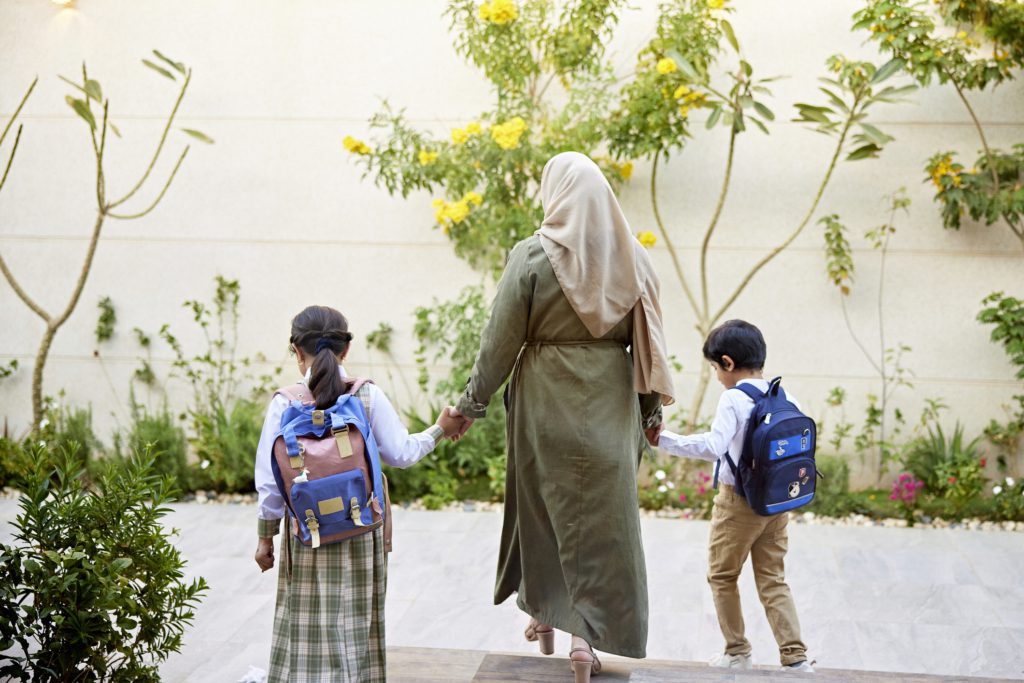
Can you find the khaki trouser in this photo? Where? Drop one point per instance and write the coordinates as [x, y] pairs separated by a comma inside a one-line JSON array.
[[737, 531]]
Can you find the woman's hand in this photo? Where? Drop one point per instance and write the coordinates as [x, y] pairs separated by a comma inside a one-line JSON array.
[[265, 553]]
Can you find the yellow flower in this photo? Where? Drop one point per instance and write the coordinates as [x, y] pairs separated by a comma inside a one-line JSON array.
[[716, 4], [647, 238], [499, 11], [507, 134], [666, 65], [473, 128], [449, 213], [459, 136], [473, 198], [426, 158], [626, 170], [355, 146], [681, 92], [962, 35], [684, 111]]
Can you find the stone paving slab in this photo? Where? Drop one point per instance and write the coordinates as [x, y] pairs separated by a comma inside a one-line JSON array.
[[917, 601]]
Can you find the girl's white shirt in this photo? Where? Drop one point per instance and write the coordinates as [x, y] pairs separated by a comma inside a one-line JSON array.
[[397, 446]]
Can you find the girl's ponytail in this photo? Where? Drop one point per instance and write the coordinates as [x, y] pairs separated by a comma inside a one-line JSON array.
[[322, 334]]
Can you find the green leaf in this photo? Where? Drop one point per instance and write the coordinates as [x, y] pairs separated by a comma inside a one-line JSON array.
[[813, 114], [93, 90], [716, 113], [836, 99], [198, 135], [687, 68], [73, 84], [177, 66], [730, 35], [874, 135], [158, 69], [746, 101], [114, 128], [759, 124], [764, 111], [121, 563], [888, 69], [126, 623], [866, 152], [81, 108], [747, 69]]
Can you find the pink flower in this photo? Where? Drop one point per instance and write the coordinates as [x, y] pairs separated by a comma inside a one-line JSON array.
[[894, 496], [983, 461], [682, 497], [952, 480], [701, 490]]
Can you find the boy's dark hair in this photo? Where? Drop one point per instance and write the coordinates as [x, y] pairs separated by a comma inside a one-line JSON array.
[[739, 340], [322, 333]]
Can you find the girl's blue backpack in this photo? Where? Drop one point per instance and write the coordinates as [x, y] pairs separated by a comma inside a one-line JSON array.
[[776, 470]]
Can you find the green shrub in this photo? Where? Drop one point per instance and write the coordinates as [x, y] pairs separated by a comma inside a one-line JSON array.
[[933, 458], [92, 588], [1008, 500], [69, 430], [225, 446], [159, 433]]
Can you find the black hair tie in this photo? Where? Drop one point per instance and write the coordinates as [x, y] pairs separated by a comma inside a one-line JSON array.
[[321, 344]]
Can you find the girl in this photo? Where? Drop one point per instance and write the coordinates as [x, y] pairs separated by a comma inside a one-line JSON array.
[[329, 619]]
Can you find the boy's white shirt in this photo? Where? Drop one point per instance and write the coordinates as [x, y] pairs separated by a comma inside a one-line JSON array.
[[397, 446], [728, 430]]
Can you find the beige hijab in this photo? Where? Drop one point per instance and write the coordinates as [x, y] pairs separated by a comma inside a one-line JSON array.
[[604, 271]]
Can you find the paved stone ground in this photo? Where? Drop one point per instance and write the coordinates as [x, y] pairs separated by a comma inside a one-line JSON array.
[[929, 601]]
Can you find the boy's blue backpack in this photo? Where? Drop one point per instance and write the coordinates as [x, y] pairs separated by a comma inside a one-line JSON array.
[[776, 470]]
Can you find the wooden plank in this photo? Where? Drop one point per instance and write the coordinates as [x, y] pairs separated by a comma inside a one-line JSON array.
[[432, 665]]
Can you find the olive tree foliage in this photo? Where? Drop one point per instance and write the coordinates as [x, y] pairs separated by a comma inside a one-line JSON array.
[[89, 104]]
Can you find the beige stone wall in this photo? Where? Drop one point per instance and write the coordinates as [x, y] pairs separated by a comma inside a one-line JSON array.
[[277, 203]]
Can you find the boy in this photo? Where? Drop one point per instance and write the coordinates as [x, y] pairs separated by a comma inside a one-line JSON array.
[[737, 352]]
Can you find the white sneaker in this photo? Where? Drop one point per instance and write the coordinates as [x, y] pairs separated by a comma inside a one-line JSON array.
[[725, 661], [801, 667]]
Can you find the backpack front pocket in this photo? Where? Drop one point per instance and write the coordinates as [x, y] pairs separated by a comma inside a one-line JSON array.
[[331, 505]]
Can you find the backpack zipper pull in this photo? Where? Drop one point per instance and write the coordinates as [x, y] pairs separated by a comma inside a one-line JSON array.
[[768, 418]]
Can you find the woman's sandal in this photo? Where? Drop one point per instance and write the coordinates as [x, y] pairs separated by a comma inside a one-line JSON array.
[[583, 668], [544, 634]]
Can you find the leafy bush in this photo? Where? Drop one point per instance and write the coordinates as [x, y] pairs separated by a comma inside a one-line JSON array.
[[227, 410], [451, 331], [158, 433], [832, 496], [935, 460], [69, 430], [92, 589], [1008, 500]]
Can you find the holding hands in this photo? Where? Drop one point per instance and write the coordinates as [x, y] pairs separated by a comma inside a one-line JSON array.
[[453, 423]]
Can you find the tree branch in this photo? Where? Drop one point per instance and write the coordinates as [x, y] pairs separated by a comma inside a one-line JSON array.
[[159, 147], [814, 206], [174, 172], [86, 267], [668, 241], [10, 160], [36, 308], [17, 111], [714, 221]]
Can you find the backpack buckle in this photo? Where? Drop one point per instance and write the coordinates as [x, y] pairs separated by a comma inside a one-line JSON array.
[[354, 512], [343, 438], [314, 528], [318, 418]]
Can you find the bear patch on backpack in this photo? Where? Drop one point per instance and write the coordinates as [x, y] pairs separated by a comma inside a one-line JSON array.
[[776, 470]]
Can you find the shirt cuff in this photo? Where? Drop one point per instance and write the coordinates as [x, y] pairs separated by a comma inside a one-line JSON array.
[[268, 528], [435, 433]]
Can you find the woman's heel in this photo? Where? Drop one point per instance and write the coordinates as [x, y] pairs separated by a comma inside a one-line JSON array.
[[546, 640], [582, 671]]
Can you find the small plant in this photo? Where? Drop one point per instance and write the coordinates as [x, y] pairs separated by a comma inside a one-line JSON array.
[[106, 321], [227, 409], [92, 589], [160, 434], [949, 467], [1008, 500], [905, 491], [69, 430], [8, 368]]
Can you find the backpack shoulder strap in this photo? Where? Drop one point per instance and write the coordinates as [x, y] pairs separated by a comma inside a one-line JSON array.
[[295, 392], [750, 390], [361, 389]]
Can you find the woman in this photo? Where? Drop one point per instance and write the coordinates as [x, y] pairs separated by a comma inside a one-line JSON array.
[[329, 617], [572, 299]]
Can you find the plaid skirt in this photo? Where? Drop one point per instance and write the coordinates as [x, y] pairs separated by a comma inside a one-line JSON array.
[[329, 620]]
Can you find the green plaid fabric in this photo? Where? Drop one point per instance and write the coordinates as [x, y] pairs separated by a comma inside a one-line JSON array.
[[268, 528], [329, 621]]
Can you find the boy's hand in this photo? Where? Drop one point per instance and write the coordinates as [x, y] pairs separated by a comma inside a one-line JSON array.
[[654, 433], [265, 553]]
